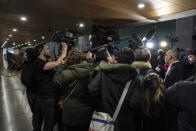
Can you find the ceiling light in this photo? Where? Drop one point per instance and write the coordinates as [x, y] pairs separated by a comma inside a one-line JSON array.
[[7, 39], [29, 44], [23, 18], [14, 43], [43, 37], [10, 35], [81, 25], [141, 6], [34, 40], [14, 29]]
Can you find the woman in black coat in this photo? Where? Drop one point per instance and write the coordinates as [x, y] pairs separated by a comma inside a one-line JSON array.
[[147, 99], [107, 86]]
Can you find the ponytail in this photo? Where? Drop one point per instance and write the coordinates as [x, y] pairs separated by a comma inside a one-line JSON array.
[[153, 85]]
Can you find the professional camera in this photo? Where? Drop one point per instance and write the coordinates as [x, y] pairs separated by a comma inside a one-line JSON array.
[[136, 43], [68, 36], [101, 35], [133, 45]]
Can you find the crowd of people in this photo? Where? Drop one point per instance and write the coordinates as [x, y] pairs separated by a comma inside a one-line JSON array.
[[14, 61], [65, 92]]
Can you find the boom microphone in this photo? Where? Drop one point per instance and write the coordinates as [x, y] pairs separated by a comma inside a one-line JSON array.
[[150, 34]]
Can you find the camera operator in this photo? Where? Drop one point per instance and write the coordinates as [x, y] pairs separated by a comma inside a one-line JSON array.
[[46, 100]]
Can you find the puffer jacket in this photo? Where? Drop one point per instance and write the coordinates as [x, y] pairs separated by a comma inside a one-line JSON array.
[[77, 109], [106, 89]]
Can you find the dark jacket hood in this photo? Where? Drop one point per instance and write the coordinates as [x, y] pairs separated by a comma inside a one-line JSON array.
[[82, 70], [119, 73], [64, 75]]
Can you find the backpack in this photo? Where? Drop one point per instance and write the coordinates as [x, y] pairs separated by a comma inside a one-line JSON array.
[[142, 76], [27, 76]]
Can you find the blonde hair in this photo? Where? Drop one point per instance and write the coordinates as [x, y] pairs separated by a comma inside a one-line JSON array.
[[153, 85]]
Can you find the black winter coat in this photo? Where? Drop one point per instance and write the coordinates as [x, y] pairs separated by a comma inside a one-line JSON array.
[[106, 89], [182, 96], [28, 77], [137, 102]]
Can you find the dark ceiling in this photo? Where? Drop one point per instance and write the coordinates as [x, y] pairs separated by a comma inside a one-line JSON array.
[[43, 15]]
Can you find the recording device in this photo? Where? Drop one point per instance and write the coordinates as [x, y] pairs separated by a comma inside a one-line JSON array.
[[67, 35], [102, 35], [137, 41], [151, 34]]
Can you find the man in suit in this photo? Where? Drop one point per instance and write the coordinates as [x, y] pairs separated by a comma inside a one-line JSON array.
[[175, 71]]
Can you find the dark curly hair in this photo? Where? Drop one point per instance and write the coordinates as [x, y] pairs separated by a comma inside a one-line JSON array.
[[30, 54], [125, 56], [102, 54], [38, 49]]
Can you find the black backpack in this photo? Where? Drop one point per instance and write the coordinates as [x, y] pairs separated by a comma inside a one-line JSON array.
[[27, 76], [142, 75]]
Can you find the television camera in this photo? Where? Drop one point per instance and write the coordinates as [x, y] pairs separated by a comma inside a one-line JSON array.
[[67, 35]]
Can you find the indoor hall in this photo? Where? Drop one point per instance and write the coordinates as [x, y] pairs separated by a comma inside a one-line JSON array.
[[61, 30]]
